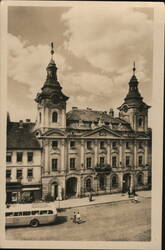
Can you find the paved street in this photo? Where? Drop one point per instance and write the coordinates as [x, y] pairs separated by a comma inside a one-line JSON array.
[[103, 222]]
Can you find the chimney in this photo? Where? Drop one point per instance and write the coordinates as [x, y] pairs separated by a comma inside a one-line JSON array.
[[111, 112], [21, 124], [27, 120], [74, 108]]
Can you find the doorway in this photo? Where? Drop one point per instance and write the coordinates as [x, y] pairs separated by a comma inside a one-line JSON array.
[[54, 190], [71, 187], [126, 182]]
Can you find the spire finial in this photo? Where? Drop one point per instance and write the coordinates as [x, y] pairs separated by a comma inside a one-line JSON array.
[[52, 50], [134, 68]]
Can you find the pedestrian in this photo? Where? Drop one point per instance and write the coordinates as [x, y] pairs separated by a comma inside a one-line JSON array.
[[90, 196], [78, 217], [74, 217], [129, 193]]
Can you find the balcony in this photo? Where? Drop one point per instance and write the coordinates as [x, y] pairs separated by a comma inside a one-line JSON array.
[[104, 168]]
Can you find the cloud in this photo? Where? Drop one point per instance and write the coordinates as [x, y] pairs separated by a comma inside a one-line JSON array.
[[27, 63], [109, 38]]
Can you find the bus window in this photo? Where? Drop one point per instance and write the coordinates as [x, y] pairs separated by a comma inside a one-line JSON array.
[[50, 212], [43, 212], [35, 212], [26, 213], [17, 213], [8, 214]]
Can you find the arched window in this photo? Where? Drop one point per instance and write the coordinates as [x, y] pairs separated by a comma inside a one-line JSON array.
[[114, 181], [40, 117], [140, 122], [140, 179], [88, 185], [54, 117], [102, 182]]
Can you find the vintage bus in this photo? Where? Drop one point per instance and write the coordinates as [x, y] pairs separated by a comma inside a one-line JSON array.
[[30, 214]]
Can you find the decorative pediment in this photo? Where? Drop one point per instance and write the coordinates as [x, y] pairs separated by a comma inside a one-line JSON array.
[[54, 133], [102, 132]]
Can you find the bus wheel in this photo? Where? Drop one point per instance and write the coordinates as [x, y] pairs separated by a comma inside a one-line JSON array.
[[34, 223]]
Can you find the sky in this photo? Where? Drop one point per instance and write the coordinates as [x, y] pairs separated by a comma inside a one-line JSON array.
[[95, 47]]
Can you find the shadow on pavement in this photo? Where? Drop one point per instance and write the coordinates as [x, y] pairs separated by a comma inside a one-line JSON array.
[[60, 220]]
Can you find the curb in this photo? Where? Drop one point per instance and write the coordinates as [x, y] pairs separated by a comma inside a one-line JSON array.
[[101, 203], [95, 204]]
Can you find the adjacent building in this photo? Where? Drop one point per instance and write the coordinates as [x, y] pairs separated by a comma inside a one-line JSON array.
[[69, 154]]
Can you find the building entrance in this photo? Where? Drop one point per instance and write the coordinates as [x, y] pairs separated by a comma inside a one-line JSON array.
[[71, 187], [126, 182], [54, 191]]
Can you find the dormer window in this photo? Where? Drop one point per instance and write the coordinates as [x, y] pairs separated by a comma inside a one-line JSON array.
[[54, 117]]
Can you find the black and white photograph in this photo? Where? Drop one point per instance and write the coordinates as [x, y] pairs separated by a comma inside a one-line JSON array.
[[83, 157]]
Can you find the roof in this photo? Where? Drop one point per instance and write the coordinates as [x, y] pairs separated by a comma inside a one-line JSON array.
[[21, 138], [89, 115]]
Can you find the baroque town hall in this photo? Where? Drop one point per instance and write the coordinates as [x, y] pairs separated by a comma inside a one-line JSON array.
[[66, 155]]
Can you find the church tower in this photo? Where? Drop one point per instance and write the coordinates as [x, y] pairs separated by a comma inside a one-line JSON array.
[[51, 109], [134, 110]]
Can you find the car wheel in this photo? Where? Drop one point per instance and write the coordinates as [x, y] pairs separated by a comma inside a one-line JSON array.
[[34, 223]]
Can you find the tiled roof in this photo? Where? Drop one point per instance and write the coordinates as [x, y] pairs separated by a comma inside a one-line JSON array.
[[89, 115], [21, 138]]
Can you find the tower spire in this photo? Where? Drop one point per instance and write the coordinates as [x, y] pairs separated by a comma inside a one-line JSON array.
[[134, 68]]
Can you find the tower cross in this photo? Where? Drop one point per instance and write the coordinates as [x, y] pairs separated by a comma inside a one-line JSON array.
[[52, 49]]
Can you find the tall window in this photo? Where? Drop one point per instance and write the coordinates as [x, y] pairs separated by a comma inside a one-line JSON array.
[[19, 173], [140, 122], [8, 173], [54, 144], [89, 144], [88, 185], [19, 156], [102, 145], [114, 181], [140, 145], [72, 163], [114, 161], [102, 182], [72, 144], [140, 179], [9, 157], [40, 117], [30, 156], [30, 173], [140, 160], [127, 160], [54, 117], [114, 145], [88, 162], [102, 160], [127, 145], [54, 164]]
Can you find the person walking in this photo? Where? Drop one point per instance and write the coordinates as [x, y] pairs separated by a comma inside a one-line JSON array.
[[78, 217], [74, 217]]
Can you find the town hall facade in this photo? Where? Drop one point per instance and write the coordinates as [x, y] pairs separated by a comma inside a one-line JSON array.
[[69, 154]]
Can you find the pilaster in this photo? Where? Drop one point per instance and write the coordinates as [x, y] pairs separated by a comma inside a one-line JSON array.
[[95, 152], [135, 153]]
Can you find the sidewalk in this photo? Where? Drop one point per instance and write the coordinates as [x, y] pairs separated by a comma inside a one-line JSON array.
[[100, 199]]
